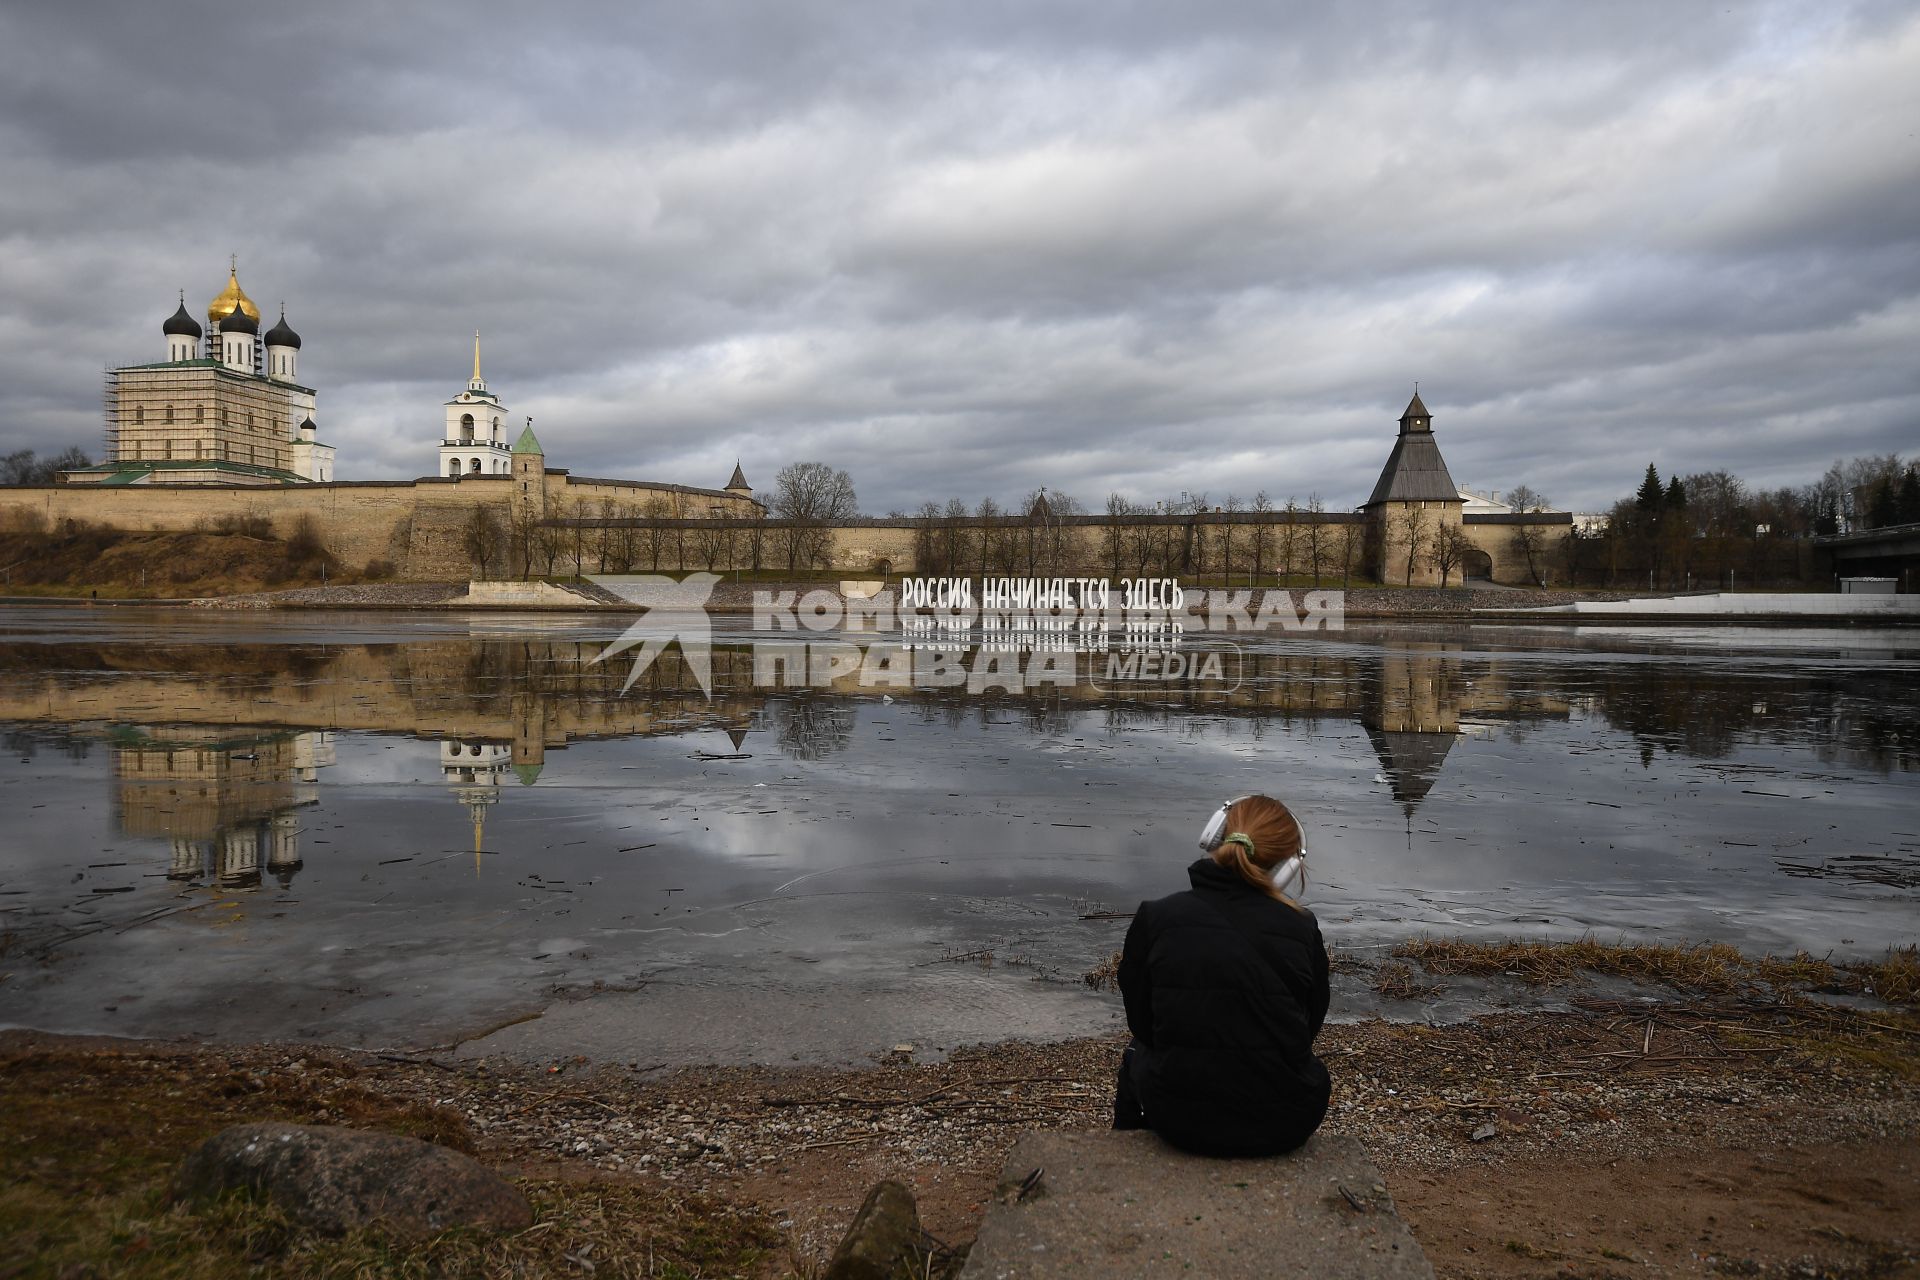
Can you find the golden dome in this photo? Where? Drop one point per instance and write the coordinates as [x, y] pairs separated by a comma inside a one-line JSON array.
[[222, 307]]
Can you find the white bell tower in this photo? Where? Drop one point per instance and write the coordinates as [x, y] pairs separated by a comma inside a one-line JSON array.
[[474, 441]]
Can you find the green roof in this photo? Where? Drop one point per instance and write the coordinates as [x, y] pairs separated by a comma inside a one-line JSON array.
[[528, 442], [129, 470]]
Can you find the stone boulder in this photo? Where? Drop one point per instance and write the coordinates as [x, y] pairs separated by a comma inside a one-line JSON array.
[[884, 1240], [334, 1180]]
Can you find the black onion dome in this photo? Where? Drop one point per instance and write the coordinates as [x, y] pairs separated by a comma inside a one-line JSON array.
[[181, 325], [238, 321], [281, 335]]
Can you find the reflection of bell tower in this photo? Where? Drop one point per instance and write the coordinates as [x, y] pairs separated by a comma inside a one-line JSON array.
[[1412, 717], [474, 771]]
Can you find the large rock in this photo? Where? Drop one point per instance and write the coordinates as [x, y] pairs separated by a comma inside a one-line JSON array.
[[334, 1179], [884, 1240], [1107, 1206]]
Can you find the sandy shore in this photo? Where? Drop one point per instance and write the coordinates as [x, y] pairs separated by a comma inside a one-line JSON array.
[[1694, 1137]]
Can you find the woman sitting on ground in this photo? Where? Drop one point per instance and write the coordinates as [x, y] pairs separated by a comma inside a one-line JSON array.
[[1225, 988]]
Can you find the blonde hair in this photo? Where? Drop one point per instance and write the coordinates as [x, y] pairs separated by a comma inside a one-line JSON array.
[[1274, 834]]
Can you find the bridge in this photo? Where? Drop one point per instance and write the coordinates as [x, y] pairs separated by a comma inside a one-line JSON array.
[[1891, 552]]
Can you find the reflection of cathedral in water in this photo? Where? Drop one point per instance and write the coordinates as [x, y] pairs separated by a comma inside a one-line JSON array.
[[225, 805]]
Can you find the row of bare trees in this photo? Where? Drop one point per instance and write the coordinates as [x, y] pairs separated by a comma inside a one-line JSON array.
[[614, 536], [1046, 534]]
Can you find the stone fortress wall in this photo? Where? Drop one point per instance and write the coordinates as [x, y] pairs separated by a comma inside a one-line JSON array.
[[419, 527], [868, 547]]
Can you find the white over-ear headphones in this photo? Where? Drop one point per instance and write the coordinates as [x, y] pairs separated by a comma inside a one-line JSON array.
[[1294, 868]]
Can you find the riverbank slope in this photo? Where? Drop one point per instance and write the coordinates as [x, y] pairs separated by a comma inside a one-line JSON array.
[[1701, 1136]]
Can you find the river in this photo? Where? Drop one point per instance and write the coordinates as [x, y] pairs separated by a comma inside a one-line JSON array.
[[460, 832]]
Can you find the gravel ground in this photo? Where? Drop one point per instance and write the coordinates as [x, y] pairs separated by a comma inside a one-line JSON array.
[[384, 595], [1608, 1081]]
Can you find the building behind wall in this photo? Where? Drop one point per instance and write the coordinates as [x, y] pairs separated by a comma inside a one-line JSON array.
[[225, 407]]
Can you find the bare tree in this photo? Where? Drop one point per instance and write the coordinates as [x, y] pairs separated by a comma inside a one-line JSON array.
[[813, 496], [1114, 534], [577, 535], [1450, 548], [1523, 499], [988, 513], [954, 533], [481, 537], [928, 555], [1289, 538], [1223, 535], [1316, 535], [549, 544], [1262, 535], [522, 536], [23, 467], [757, 542], [1530, 540], [1352, 535], [1412, 530]]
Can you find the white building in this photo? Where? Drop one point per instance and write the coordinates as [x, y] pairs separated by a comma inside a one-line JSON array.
[[474, 442]]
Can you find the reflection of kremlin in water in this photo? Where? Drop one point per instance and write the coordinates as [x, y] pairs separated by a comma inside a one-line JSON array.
[[225, 790], [227, 804]]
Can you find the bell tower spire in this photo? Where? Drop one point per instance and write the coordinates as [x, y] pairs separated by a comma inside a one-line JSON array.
[[474, 441]]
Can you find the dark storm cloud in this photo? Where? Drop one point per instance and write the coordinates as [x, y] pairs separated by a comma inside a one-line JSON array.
[[973, 249]]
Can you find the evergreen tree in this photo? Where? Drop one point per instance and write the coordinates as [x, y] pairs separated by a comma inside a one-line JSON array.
[[1648, 499], [1909, 504], [1827, 522], [1882, 507], [1676, 495]]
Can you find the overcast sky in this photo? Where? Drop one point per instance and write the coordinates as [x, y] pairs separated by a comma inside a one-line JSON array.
[[977, 248]]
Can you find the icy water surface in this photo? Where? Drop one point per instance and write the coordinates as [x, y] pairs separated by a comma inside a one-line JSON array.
[[401, 830]]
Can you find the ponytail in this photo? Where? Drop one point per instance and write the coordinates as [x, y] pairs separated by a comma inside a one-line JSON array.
[[1262, 833]]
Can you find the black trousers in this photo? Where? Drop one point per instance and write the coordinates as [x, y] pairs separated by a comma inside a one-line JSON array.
[[1126, 1101]]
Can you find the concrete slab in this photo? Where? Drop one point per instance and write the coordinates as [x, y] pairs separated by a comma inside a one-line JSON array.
[[1126, 1204], [1759, 604], [523, 593]]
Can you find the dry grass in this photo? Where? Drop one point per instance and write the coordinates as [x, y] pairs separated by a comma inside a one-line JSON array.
[[88, 1143], [1712, 968], [1895, 979], [621, 1230], [1395, 981], [1104, 976]]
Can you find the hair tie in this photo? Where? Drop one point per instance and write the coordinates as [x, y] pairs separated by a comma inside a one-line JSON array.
[[1240, 838]]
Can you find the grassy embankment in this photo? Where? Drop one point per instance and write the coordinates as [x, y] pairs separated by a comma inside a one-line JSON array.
[[89, 1140], [229, 555]]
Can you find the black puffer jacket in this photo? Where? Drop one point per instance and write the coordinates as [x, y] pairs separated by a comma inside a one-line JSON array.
[[1225, 990]]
